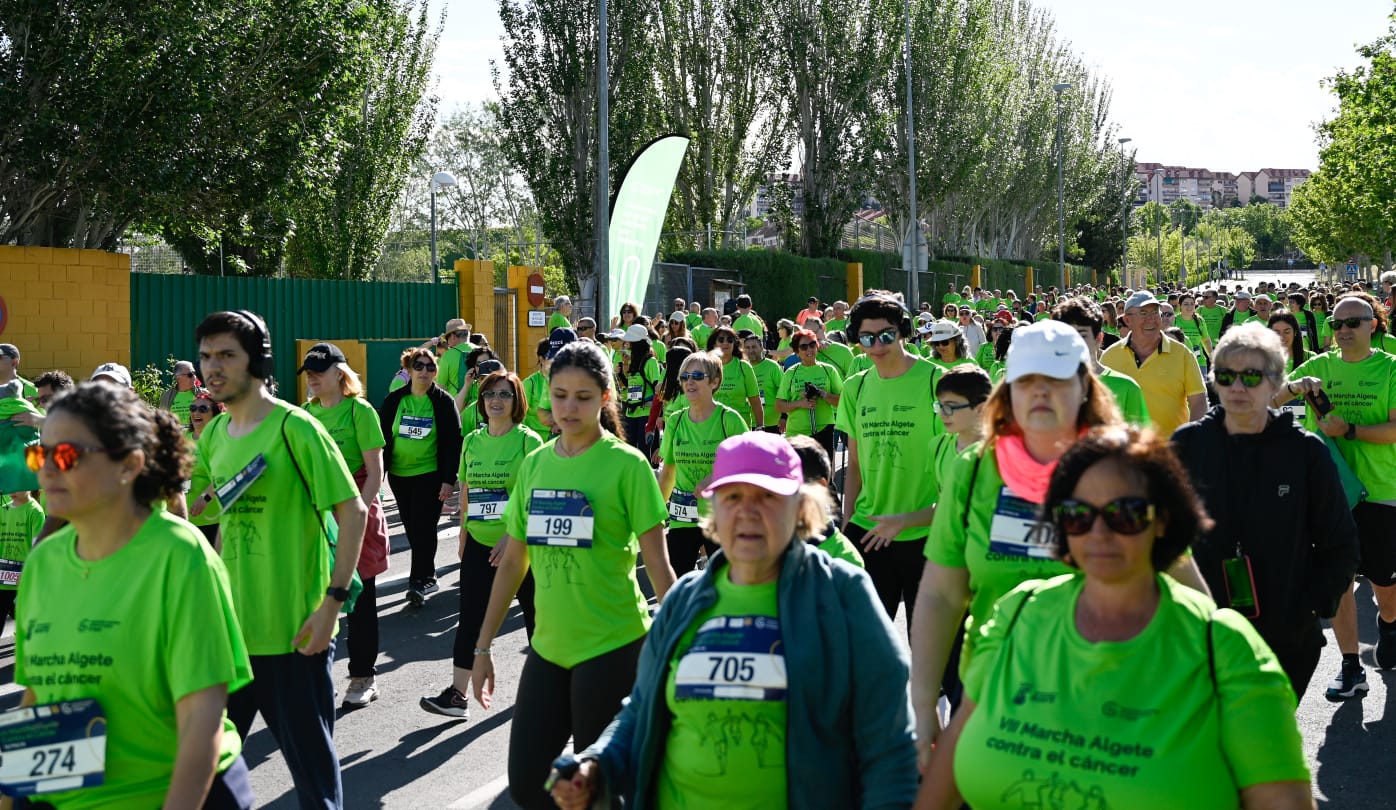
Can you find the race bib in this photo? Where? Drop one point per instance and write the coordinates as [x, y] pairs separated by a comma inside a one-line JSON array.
[[234, 487], [486, 504], [1011, 531], [56, 746], [9, 572], [733, 658], [1296, 407], [414, 427], [560, 517], [634, 393], [683, 506]]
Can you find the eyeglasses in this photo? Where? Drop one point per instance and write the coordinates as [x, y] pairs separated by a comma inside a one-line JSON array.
[[1350, 323], [1127, 515], [939, 343], [1250, 377], [725, 339], [497, 394], [418, 365], [461, 333], [184, 374], [693, 375], [65, 455], [806, 346], [1166, 315], [201, 409], [886, 337], [951, 408]]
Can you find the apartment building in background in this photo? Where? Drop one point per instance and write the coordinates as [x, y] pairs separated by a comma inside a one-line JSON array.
[[1208, 189]]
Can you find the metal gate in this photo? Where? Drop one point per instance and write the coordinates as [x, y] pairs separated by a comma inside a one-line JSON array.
[[505, 340]]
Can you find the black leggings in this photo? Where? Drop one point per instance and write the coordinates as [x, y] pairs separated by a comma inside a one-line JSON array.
[[476, 580], [419, 505], [895, 570], [635, 433], [553, 704], [363, 631], [684, 543]]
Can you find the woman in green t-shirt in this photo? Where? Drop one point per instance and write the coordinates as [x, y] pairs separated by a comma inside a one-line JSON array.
[[687, 452], [128, 605], [739, 391], [421, 430], [809, 392], [945, 344], [785, 331], [638, 378], [1286, 326], [490, 459], [671, 392], [1187, 319], [1055, 684], [582, 506]]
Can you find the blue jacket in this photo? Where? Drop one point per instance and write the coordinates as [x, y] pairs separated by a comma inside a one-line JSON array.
[[849, 737]]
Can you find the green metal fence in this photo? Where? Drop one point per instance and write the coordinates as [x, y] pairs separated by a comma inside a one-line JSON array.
[[165, 309]]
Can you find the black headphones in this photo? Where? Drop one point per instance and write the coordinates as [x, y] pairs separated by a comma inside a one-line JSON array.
[[258, 365], [904, 326]]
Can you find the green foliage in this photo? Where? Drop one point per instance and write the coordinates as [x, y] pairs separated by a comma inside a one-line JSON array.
[[150, 382]]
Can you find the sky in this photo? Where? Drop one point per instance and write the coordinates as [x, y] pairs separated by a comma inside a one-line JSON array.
[[1226, 85]]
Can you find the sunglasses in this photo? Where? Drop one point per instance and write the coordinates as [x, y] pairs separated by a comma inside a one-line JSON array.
[[496, 395], [1127, 515], [461, 333], [886, 337], [418, 365], [693, 375], [1350, 323], [201, 409], [184, 374], [65, 455], [945, 342], [1250, 377], [725, 340], [805, 346], [950, 408]]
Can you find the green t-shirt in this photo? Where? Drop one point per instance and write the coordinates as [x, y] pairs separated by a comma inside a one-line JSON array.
[[944, 453], [558, 321], [726, 692], [700, 334], [836, 325], [536, 392], [837, 545], [414, 449], [792, 389], [1238, 317], [450, 367], [488, 465], [738, 386], [198, 482], [1062, 722], [893, 421], [689, 447], [353, 424], [996, 548], [837, 355], [640, 388], [179, 406], [932, 357], [588, 599], [984, 358], [1362, 394], [768, 374], [138, 631], [659, 350], [673, 406], [274, 544], [692, 320], [749, 321], [1192, 330], [19, 525], [1128, 395], [862, 363], [1212, 316]]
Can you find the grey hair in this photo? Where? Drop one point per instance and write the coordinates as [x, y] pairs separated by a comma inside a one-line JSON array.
[[1252, 337]]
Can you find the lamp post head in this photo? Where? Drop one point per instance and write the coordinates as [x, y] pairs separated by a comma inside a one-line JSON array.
[[1060, 87], [1124, 141], [443, 180]]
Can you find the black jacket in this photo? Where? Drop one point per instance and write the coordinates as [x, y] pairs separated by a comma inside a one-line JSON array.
[[1277, 494], [445, 419]]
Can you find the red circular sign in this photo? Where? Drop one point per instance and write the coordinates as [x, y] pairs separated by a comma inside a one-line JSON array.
[[535, 290]]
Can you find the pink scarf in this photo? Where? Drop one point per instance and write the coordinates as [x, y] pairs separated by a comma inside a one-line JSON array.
[[1023, 474]]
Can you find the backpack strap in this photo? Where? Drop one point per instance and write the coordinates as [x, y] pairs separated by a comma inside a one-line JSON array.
[[305, 485], [973, 474]]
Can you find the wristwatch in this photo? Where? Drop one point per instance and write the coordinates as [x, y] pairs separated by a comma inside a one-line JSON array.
[[337, 594], [1351, 433]]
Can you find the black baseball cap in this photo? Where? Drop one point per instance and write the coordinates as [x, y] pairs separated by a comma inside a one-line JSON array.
[[560, 337], [321, 358]]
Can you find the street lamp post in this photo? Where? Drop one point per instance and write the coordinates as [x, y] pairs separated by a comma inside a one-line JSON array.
[[914, 231], [1061, 203], [1124, 214], [438, 180]]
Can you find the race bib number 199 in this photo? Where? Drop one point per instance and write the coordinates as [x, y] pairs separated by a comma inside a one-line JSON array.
[[560, 517], [56, 746]]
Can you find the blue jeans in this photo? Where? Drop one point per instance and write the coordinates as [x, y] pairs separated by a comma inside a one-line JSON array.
[[295, 694]]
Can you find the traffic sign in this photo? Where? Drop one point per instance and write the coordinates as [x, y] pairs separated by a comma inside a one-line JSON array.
[[1352, 268]]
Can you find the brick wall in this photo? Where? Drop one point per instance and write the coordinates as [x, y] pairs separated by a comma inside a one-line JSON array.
[[66, 309]]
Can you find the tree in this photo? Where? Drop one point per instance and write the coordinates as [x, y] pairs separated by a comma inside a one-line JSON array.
[[1185, 213], [166, 112]]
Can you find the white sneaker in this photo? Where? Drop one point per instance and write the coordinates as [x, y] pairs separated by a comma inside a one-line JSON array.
[[361, 692]]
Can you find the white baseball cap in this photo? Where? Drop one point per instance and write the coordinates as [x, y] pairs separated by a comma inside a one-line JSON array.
[[1050, 348], [637, 333], [945, 330]]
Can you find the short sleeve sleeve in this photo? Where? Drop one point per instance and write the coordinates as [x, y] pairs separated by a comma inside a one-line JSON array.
[[203, 641], [646, 506], [749, 377], [946, 543], [987, 639], [1260, 736], [666, 443], [516, 513], [366, 427], [783, 390]]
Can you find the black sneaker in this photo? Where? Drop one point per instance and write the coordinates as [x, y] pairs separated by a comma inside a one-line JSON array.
[[416, 593], [1350, 683], [450, 703], [429, 587], [1386, 645]]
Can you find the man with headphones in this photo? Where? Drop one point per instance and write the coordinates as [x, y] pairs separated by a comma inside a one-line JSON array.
[[276, 472], [890, 486]]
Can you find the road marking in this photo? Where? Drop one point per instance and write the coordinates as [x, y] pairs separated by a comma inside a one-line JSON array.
[[479, 796]]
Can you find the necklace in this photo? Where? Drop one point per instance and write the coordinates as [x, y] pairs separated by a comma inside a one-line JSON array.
[[572, 454]]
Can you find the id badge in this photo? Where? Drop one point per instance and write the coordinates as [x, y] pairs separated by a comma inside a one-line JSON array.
[[733, 658], [1011, 530], [486, 504], [560, 517], [634, 393], [1296, 407], [683, 506], [53, 747], [9, 572], [234, 487], [414, 427], [1240, 586]]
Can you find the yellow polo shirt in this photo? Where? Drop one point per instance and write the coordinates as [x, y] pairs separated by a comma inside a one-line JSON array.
[[1168, 377]]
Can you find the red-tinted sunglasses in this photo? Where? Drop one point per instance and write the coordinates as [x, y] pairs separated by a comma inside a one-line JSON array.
[[65, 455]]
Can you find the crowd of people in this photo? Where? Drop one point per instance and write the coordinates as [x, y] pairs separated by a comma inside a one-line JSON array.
[[1062, 490]]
